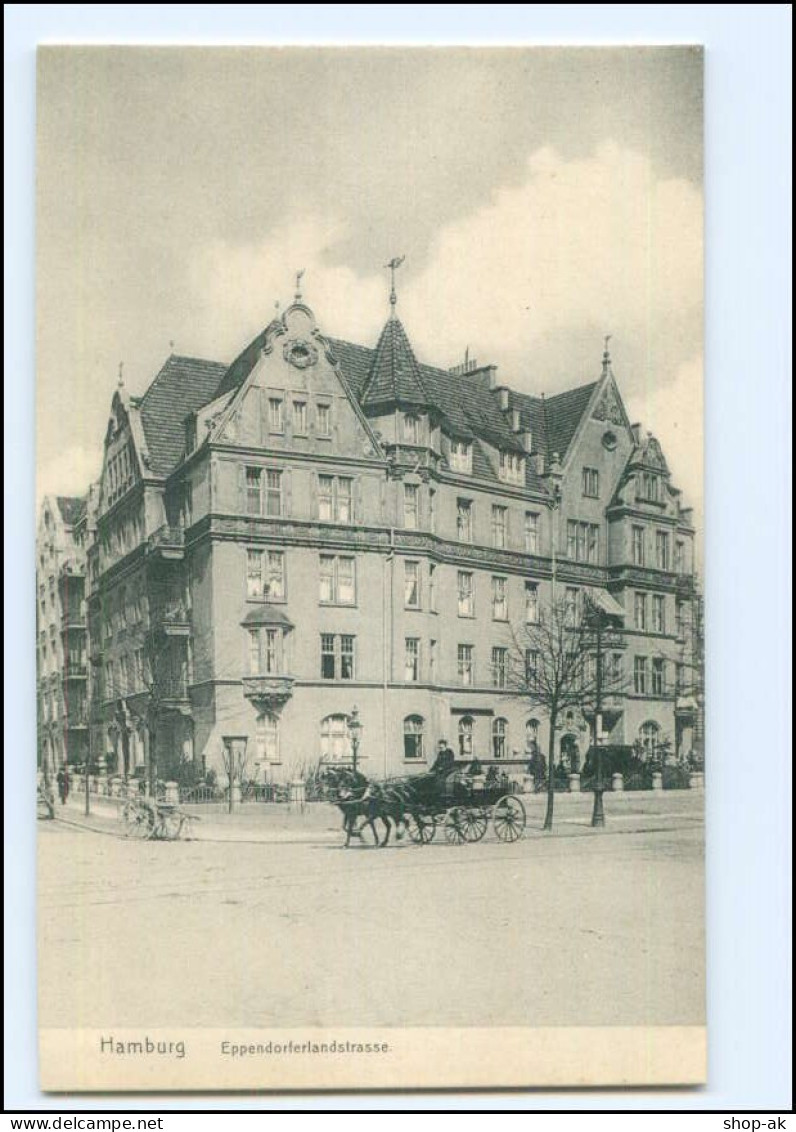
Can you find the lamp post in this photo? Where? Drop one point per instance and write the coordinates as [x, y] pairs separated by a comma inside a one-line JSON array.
[[355, 729], [235, 760]]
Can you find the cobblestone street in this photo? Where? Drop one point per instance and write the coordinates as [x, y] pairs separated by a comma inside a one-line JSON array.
[[583, 927]]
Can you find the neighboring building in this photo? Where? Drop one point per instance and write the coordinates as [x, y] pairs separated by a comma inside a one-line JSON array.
[[322, 525], [61, 633]]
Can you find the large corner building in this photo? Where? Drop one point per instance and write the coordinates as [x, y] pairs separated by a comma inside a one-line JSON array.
[[321, 525]]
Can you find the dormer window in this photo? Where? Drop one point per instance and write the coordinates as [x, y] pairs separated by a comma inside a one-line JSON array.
[[461, 457], [648, 487], [411, 428], [511, 467]]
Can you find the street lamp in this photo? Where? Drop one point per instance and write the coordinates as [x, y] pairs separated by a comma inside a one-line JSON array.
[[355, 729]]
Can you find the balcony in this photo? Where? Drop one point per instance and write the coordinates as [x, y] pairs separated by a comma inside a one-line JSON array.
[[175, 621], [167, 544], [75, 670], [268, 693]]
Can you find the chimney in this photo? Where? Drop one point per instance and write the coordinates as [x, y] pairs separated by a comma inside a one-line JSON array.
[[636, 430], [515, 420], [504, 398]]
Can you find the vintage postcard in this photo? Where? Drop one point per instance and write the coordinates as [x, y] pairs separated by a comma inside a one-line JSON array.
[[371, 746]]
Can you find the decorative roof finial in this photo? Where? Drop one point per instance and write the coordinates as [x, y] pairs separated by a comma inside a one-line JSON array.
[[299, 276], [171, 345], [394, 263], [121, 375], [606, 354]]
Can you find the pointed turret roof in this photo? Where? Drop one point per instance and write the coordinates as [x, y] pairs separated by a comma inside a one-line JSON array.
[[394, 376]]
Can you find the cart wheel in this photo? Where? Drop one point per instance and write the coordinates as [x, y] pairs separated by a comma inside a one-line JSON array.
[[421, 828], [456, 826], [475, 824], [139, 820], [171, 825], [508, 818]]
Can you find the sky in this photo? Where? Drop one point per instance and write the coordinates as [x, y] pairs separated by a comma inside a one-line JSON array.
[[542, 197]]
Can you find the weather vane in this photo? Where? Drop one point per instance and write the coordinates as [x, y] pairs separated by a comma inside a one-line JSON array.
[[299, 276], [606, 355], [394, 263]]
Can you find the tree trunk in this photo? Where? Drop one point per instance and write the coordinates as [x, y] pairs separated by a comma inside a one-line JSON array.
[[551, 783]]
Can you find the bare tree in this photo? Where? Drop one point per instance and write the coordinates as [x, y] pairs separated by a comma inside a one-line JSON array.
[[558, 662]]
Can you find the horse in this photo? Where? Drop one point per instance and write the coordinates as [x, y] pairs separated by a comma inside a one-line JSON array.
[[356, 797]]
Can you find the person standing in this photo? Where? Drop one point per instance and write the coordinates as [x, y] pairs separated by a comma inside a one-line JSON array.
[[63, 784]]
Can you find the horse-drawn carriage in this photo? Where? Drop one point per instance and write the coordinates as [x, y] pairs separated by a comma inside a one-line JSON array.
[[460, 800]]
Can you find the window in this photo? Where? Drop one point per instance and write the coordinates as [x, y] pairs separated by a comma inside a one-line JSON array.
[[129, 674], [265, 574], [614, 672], [466, 728], [412, 585], [139, 668], [679, 617], [638, 546], [276, 414], [648, 487], [264, 652], [532, 735], [432, 509], [500, 601], [273, 492], [413, 738], [411, 660], [466, 594], [464, 520], [658, 613], [583, 541], [532, 668], [324, 420], [679, 557], [335, 739], [500, 660], [334, 499], [411, 500], [432, 661], [499, 522], [461, 459], [662, 550], [640, 611], [640, 675], [679, 678], [465, 659], [338, 580], [531, 602], [531, 532], [432, 587], [658, 676], [338, 656], [571, 606], [511, 467], [500, 731], [411, 428], [591, 483], [266, 738], [254, 491], [649, 734], [300, 417]]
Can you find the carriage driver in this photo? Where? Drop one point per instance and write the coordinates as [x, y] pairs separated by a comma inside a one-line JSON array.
[[444, 760]]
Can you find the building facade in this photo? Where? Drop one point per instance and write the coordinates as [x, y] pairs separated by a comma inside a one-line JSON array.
[[62, 684], [321, 525]]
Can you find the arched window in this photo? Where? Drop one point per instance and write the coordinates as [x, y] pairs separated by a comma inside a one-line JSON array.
[[532, 735], [466, 737], [500, 733], [335, 739], [266, 738], [413, 738], [649, 735]]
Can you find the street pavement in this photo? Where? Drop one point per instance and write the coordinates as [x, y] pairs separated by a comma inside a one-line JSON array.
[[280, 926]]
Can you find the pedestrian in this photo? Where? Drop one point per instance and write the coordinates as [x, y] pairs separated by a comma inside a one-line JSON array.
[[63, 784]]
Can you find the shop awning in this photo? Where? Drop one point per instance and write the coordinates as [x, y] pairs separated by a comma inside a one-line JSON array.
[[609, 605]]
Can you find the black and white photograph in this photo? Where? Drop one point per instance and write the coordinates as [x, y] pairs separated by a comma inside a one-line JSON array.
[[371, 743]]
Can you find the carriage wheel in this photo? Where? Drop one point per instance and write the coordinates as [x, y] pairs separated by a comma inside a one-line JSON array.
[[171, 824], [508, 818], [456, 826], [139, 820], [475, 824], [421, 828]]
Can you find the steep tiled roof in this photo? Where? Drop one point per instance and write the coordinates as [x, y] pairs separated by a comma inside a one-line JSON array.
[[563, 414], [71, 507], [182, 386], [394, 373]]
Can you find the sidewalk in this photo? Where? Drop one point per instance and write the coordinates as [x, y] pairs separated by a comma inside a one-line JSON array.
[[264, 823]]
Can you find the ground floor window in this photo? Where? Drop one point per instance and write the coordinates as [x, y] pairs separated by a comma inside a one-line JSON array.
[[413, 738], [267, 738], [335, 739], [649, 737], [466, 737], [500, 731]]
